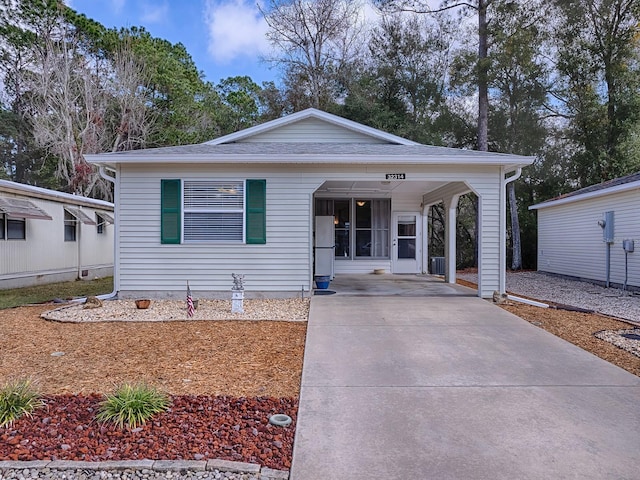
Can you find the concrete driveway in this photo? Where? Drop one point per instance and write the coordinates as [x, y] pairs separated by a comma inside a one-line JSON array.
[[453, 387]]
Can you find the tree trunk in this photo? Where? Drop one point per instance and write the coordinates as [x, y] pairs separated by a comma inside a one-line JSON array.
[[516, 259], [483, 82]]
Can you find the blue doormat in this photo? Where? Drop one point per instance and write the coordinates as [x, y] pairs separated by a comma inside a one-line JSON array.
[[323, 292]]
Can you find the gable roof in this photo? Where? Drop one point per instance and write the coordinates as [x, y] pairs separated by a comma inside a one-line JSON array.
[[621, 184], [315, 114], [234, 148]]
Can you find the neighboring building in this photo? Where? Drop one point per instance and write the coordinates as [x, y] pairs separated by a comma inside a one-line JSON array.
[[270, 201], [48, 236], [582, 232]]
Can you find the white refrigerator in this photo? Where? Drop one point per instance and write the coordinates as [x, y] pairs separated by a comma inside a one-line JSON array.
[[324, 246]]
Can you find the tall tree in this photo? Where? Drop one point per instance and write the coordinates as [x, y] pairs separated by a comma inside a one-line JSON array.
[[479, 7], [519, 79], [400, 88], [314, 43], [599, 80], [79, 104]]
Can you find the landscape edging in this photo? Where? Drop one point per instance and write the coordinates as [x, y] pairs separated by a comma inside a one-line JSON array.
[[156, 465]]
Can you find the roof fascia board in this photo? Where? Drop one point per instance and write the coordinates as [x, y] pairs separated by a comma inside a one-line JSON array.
[[311, 113], [585, 196], [501, 160]]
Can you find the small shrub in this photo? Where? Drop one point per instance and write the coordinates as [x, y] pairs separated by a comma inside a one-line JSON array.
[[132, 405], [17, 398]]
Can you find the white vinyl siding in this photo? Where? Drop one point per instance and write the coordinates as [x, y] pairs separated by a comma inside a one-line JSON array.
[[284, 263], [30, 261], [570, 241], [314, 131], [146, 265], [213, 211]]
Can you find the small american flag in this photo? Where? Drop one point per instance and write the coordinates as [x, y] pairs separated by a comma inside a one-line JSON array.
[[190, 309]]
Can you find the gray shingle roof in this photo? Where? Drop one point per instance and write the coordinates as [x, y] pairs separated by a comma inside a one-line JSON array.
[[633, 181], [311, 152], [634, 177]]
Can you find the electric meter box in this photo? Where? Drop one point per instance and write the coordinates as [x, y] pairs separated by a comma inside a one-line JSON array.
[[607, 227], [628, 245]]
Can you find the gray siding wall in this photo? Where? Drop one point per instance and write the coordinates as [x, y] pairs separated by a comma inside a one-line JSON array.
[[570, 239], [312, 130]]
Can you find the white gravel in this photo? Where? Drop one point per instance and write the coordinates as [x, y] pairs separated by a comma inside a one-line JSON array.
[[628, 340], [287, 309], [551, 288]]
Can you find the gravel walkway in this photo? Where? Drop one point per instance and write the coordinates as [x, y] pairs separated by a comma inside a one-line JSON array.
[[551, 288]]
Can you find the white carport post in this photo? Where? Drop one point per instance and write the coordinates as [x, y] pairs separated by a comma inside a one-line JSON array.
[[425, 238], [450, 205]]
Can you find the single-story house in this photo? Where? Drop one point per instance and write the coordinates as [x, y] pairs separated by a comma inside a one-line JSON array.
[[48, 236], [588, 234], [307, 194]]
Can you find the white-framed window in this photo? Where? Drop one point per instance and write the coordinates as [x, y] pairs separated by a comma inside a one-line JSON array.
[[70, 223], [213, 211], [361, 226], [12, 228], [100, 224]]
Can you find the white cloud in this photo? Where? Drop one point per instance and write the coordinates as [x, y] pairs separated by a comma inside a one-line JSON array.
[[236, 29], [154, 12]]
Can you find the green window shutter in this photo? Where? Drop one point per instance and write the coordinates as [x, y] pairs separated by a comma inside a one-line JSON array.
[[170, 201], [256, 205]]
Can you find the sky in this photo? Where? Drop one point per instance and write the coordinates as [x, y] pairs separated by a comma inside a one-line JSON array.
[[225, 38]]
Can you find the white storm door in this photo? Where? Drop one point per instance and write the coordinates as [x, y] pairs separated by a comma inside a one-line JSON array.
[[407, 242]]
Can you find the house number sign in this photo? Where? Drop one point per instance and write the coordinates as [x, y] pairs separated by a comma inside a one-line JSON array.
[[395, 176]]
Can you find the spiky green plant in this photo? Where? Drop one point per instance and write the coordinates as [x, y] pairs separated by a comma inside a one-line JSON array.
[[132, 405], [18, 398]]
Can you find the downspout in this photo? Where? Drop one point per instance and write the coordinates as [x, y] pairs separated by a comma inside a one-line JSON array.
[[109, 178], [503, 227], [78, 224]]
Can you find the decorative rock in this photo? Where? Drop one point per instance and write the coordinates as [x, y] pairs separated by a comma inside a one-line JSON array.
[[499, 298], [92, 302]]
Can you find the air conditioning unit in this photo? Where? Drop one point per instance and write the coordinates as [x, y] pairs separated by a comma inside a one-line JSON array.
[[437, 266]]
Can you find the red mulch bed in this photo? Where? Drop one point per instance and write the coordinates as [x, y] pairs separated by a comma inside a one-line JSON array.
[[195, 428]]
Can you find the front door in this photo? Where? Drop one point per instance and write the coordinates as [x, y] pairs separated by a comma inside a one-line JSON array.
[[407, 241]]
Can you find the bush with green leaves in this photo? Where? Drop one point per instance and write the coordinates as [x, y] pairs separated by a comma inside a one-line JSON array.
[[18, 398], [132, 405]]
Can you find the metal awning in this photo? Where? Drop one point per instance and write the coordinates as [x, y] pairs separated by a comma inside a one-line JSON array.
[[107, 217], [80, 215], [19, 208]]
